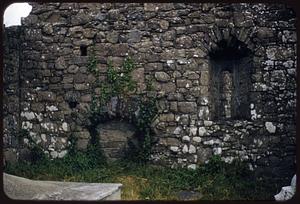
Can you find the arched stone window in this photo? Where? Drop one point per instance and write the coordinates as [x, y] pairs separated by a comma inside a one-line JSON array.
[[231, 65]]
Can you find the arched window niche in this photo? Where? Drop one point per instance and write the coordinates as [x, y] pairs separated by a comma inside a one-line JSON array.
[[231, 64]]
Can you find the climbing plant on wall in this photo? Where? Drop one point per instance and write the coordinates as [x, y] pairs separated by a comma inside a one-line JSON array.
[[146, 113], [120, 86]]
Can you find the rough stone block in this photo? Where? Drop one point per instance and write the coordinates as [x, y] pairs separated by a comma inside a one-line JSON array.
[[46, 96], [10, 155], [204, 78], [187, 107], [82, 144], [168, 87], [183, 83], [162, 76]]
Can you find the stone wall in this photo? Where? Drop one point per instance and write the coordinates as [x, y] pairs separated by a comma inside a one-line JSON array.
[[174, 45], [11, 92]]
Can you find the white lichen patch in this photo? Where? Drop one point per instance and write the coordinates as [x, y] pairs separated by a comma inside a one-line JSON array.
[[208, 123], [204, 101], [54, 154], [288, 64], [192, 149], [53, 140], [26, 106], [271, 52], [43, 137], [197, 139], [48, 126], [51, 108], [202, 131], [192, 166], [226, 138], [270, 127], [39, 116], [26, 125], [250, 167], [212, 142], [62, 153], [30, 97], [182, 61], [174, 148], [195, 158], [50, 147], [170, 62], [203, 112], [177, 130], [227, 159], [193, 131], [26, 140], [217, 151], [253, 114], [260, 87], [65, 126], [28, 115], [186, 138], [185, 149]]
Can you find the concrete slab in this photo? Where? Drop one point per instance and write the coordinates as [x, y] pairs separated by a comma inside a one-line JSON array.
[[25, 189]]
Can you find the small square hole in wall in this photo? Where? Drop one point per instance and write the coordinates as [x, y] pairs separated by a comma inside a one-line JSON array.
[[83, 50]]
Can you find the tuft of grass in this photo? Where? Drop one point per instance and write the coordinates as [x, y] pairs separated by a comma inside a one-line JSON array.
[[132, 186]]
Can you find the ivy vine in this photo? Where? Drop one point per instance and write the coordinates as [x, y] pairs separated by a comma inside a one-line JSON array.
[[120, 85]]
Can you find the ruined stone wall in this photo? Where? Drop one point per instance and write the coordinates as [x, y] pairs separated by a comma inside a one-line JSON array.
[[11, 93], [173, 46]]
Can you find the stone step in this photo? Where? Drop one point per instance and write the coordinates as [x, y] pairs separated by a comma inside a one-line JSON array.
[[25, 189]]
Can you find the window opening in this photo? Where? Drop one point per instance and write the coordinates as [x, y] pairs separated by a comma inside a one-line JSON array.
[[83, 50], [231, 65]]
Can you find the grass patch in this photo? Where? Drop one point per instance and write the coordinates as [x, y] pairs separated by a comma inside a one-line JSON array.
[[215, 180]]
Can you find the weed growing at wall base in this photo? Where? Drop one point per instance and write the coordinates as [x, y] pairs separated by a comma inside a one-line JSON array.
[[146, 113], [215, 180]]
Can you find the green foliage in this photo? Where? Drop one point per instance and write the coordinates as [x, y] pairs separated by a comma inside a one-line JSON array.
[[72, 141], [37, 154], [74, 161], [36, 151], [92, 66], [146, 113], [23, 133], [215, 180], [95, 154], [119, 84], [80, 161]]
